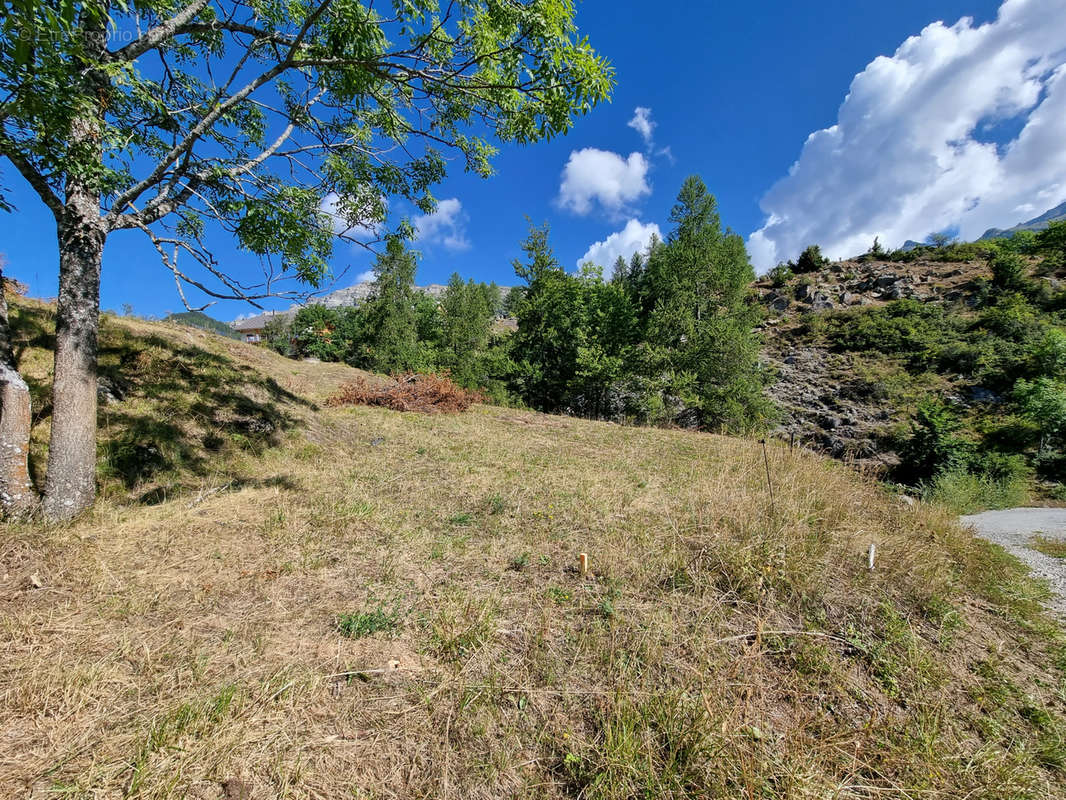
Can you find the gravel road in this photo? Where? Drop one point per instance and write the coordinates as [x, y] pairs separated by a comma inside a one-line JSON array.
[[1013, 528]]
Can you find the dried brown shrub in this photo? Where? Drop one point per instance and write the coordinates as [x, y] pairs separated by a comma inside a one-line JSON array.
[[428, 394]]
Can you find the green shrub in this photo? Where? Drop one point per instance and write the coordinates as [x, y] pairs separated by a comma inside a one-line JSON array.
[[780, 275], [810, 260], [933, 446], [1052, 242], [999, 467], [963, 492], [1009, 272], [277, 335]]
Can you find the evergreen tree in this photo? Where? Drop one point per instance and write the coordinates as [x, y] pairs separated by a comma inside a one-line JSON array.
[[467, 314], [550, 318], [391, 319], [608, 332], [701, 323]]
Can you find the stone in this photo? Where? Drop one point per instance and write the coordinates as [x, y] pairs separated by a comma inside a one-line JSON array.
[[110, 390], [820, 302]]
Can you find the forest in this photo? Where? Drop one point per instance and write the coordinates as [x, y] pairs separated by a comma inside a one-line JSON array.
[[669, 338]]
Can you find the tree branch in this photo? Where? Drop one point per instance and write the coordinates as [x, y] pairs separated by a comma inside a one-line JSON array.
[[32, 176], [159, 34]]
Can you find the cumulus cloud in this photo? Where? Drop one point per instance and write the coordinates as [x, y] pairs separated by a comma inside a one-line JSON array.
[[361, 212], [643, 124], [445, 226], [367, 276], [918, 143], [633, 237], [594, 176]]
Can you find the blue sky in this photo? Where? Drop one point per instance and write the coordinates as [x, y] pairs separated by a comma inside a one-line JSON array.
[[734, 93]]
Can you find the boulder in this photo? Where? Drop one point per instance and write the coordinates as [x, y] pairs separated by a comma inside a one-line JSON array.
[[820, 302]]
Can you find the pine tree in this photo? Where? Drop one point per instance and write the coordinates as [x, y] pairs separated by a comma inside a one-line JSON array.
[[467, 310], [701, 324], [392, 329], [550, 315]]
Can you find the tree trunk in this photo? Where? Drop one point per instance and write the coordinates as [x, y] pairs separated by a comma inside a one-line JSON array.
[[17, 496], [70, 485]]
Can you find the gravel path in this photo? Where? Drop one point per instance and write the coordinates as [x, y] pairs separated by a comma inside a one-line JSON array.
[[1013, 528]]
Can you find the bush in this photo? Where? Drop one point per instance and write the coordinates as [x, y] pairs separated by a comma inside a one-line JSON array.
[[963, 492], [1009, 272], [314, 333], [780, 275], [933, 446], [1000, 467], [277, 335]]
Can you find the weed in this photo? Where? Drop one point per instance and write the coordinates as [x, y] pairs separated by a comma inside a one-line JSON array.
[[497, 504], [358, 624], [560, 596], [461, 626], [1056, 548]]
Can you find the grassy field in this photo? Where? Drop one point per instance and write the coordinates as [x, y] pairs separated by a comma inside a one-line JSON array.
[[278, 599]]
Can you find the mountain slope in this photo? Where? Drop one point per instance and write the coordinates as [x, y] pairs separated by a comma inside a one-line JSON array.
[[863, 349], [1056, 214], [327, 602], [198, 319]]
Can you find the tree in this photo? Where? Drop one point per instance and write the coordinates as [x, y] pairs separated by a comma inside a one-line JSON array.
[[550, 317], [1044, 402], [933, 446], [1052, 241], [315, 335], [278, 122], [391, 321], [16, 488], [810, 260], [699, 314], [939, 239], [277, 334], [608, 332], [1022, 242], [876, 250], [467, 310]]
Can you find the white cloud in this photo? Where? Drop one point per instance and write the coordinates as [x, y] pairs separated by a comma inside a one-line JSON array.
[[361, 213], [367, 276], [642, 124], [592, 176], [633, 237], [910, 152], [445, 226]]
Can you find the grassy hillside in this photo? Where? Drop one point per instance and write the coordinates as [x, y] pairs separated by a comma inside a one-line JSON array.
[[274, 598], [198, 319]]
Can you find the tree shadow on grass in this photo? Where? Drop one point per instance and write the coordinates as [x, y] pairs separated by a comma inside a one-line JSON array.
[[171, 414]]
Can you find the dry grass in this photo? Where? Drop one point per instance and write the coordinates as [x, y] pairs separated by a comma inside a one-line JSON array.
[[426, 394], [204, 645]]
